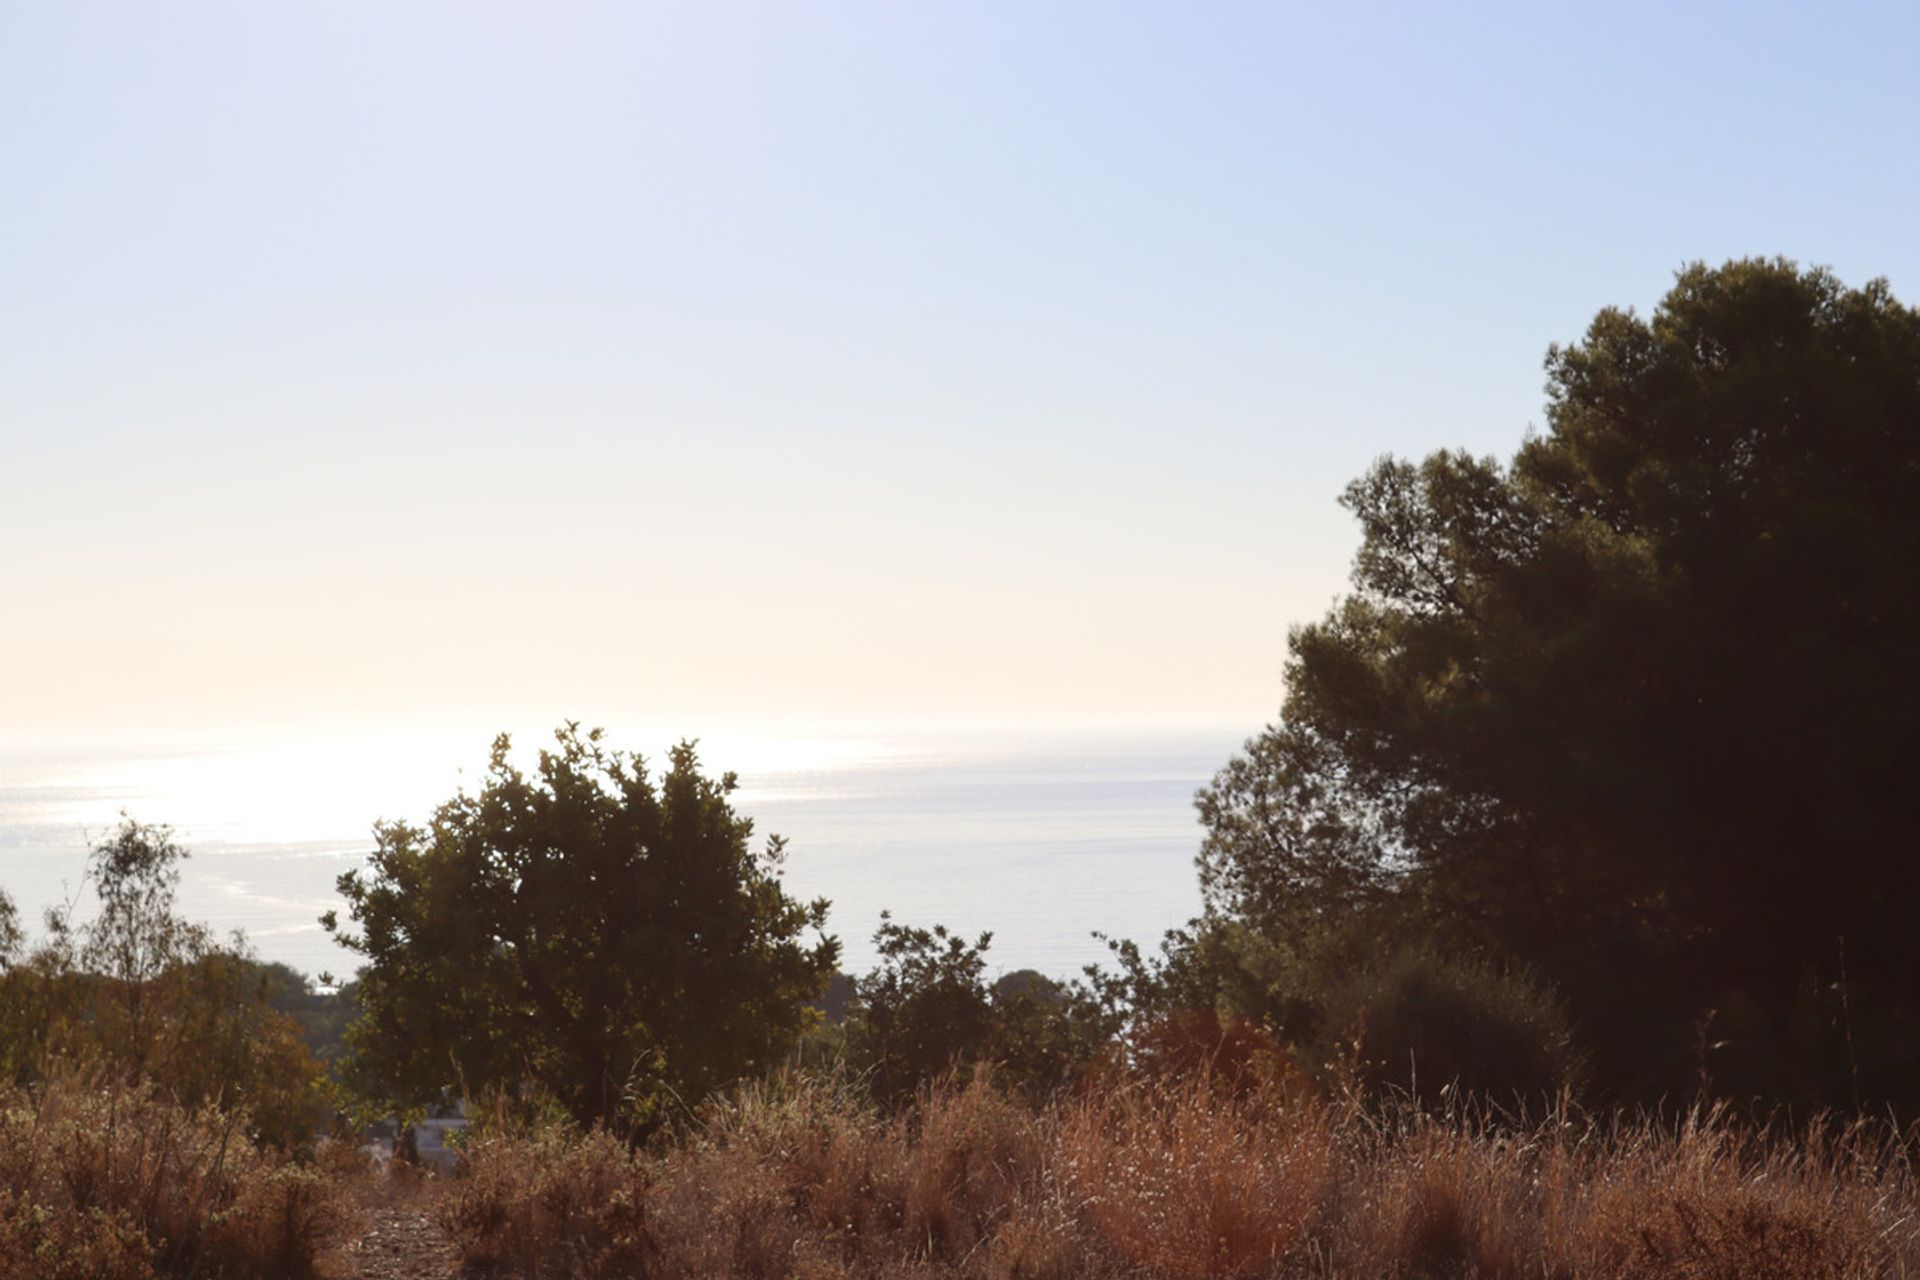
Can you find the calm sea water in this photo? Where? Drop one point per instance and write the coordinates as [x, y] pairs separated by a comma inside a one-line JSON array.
[[1041, 837]]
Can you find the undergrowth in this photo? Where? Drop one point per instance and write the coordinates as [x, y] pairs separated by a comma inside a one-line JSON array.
[[107, 1181], [801, 1177]]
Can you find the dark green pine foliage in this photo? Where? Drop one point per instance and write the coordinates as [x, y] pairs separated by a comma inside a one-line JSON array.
[[1638, 708]]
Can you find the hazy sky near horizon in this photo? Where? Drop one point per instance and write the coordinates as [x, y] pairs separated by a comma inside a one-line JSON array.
[[402, 361]]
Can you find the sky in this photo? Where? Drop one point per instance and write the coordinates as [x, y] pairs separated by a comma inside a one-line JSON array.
[[487, 363]]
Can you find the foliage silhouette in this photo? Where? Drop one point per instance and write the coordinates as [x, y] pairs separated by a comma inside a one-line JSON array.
[[139, 993], [923, 1011], [607, 939], [1637, 707], [926, 1012]]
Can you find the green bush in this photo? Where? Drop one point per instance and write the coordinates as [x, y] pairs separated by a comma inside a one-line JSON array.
[[1422, 1021], [927, 1012], [923, 1012], [603, 932]]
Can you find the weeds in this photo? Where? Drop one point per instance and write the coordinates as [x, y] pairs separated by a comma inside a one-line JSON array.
[[1183, 1180], [102, 1181]]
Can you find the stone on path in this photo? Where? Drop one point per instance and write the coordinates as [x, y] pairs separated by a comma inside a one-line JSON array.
[[400, 1244]]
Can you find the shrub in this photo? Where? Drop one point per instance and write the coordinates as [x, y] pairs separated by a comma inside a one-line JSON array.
[[550, 1203], [927, 1012], [137, 992], [1236, 1054], [923, 1012], [804, 1178], [108, 1180], [1421, 1021], [1184, 1181]]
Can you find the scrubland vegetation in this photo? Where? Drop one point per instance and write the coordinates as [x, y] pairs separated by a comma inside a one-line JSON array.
[[1561, 927], [803, 1175], [160, 1114], [1183, 1178], [106, 1179]]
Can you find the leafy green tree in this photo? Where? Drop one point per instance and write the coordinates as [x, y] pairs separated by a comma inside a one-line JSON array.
[[1636, 707], [322, 1015], [1046, 1034], [927, 1011], [12, 936], [924, 1010], [136, 945], [610, 940]]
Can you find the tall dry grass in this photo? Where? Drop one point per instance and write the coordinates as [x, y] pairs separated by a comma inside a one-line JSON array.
[[1177, 1179], [107, 1181], [1183, 1180]]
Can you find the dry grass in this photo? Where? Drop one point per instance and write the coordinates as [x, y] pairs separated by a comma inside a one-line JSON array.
[[551, 1204], [1187, 1182], [1180, 1180], [112, 1182]]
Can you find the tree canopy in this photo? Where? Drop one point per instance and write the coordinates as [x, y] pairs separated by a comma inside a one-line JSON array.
[[1635, 707], [927, 1011], [606, 938]]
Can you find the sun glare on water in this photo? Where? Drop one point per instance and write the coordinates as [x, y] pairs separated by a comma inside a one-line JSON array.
[[335, 786]]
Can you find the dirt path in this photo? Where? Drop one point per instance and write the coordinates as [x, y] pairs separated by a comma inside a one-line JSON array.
[[400, 1243]]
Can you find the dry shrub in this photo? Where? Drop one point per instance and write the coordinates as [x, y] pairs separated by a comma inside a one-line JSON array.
[[727, 1212], [552, 1203], [1187, 1180], [1039, 1240], [799, 1178], [1712, 1200], [776, 1181], [1707, 1199], [1436, 1197], [41, 1244], [802, 1179], [961, 1161], [109, 1181], [819, 1137]]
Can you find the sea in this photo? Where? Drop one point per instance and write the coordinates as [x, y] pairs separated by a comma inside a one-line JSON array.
[[1043, 837]]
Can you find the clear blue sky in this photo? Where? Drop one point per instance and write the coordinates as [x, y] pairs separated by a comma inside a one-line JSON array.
[[392, 361]]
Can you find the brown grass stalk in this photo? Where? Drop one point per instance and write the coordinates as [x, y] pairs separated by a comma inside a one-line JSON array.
[[1181, 1180]]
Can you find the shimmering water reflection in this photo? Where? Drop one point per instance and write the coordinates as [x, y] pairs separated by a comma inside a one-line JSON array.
[[1040, 836]]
